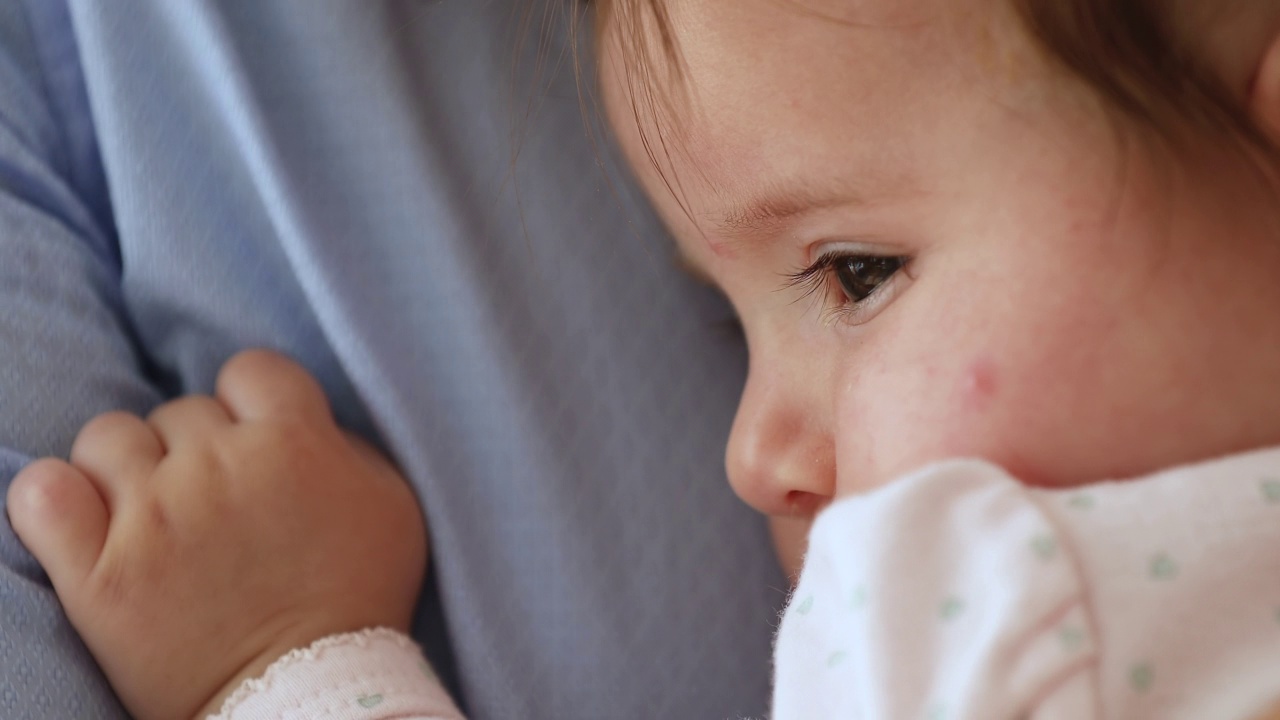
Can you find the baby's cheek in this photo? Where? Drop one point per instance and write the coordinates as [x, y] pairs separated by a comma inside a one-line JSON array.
[[979, 386], [996, 416], [894, 417], [893, 420]]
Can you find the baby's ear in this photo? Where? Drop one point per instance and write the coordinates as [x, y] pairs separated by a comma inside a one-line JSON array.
[[1264, 95]]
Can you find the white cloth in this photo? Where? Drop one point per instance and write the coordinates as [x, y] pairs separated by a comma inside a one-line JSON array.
[[957, 593], [377, 673]]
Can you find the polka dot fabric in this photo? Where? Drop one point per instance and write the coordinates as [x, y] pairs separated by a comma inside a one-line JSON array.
[[958, 593]]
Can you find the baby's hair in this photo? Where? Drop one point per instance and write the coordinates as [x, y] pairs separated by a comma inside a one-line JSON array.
[[1129, 52], [1132, 53]]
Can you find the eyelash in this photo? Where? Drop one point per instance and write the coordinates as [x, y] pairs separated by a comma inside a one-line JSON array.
[[819, 279]]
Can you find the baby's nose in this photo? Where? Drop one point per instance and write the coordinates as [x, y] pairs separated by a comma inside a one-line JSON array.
[[780, 459]]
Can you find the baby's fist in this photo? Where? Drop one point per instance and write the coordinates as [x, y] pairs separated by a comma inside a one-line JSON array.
[[193, 548]]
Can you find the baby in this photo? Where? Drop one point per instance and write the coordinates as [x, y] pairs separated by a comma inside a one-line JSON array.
[[1042, 235]]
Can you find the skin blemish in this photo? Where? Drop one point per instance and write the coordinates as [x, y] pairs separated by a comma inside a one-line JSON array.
[[981, 383]]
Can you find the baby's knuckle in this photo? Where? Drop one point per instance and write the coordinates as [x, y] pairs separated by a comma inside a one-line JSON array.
[[301, 441], [110, 583], [104, 429], [272, 454], [244, 365]]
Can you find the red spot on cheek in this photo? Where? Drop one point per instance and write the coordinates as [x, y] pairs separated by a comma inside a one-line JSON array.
[[981, 384]]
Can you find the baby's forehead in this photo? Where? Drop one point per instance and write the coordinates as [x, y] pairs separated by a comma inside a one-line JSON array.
[[706, 66], [665, 31], [773, 124]]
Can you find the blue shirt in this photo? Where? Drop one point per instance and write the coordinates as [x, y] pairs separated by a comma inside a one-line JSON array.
[[181, 179]]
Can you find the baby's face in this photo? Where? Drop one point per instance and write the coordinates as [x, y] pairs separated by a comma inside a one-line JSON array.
[[985, 265]]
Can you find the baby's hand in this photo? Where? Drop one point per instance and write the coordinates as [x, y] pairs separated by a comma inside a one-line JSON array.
[[193, 549]]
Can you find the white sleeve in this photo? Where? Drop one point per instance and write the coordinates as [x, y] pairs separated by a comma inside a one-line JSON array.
[[371, 675], [947, 595]]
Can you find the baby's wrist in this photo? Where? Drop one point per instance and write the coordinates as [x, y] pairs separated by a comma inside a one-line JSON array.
[[255, 668], [297, 638]]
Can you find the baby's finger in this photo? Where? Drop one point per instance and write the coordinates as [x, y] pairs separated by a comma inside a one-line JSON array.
[[188, 419], [117, 450], [58, 513], [260, 384]]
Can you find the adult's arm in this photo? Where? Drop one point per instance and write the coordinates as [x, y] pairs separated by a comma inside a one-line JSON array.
[[65, 348]]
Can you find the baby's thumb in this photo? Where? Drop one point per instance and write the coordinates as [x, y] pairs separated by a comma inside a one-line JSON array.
[[261, 384], [59, 515]]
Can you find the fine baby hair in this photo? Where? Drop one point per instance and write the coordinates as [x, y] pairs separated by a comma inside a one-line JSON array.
[[1146, 59]]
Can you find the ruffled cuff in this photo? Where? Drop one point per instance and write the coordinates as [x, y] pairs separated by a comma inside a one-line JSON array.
[[375, 673]]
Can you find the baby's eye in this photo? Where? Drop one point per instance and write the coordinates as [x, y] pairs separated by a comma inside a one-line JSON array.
[[860, 275], [850, 284]]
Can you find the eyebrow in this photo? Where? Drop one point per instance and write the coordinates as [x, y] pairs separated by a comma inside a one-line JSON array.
[[772, 208], [777, 205]]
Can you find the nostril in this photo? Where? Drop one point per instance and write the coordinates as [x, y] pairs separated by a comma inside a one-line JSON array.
[[804, 504]]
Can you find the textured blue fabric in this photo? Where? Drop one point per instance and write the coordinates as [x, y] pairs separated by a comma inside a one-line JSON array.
[[180, 179]]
